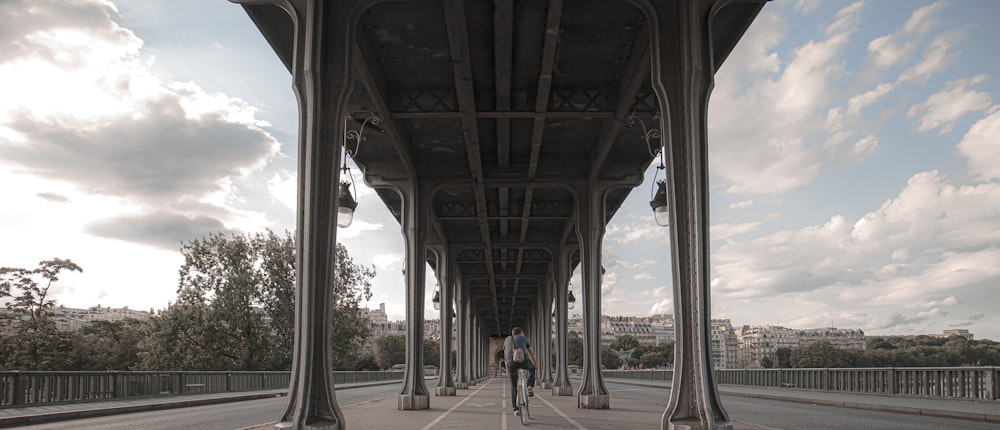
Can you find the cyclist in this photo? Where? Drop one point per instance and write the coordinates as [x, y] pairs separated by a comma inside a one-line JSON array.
[[517, 340]]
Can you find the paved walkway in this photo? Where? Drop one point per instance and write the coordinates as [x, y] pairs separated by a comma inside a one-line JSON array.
[[486, 406], [984, 411]]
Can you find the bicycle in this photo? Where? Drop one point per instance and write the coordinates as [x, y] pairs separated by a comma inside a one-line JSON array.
[[522, 395]]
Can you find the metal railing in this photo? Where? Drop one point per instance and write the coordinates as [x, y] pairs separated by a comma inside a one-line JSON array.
[[38, 388], [966, 383]]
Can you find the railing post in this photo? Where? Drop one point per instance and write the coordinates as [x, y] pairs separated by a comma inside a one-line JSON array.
[[17, 397], [991, 383], [114, 385], [891, 381]]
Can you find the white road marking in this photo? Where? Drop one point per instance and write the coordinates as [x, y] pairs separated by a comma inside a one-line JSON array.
[[438, 419], [566, 417], [503, 420]]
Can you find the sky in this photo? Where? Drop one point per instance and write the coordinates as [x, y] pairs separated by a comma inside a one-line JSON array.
[[854, 162]]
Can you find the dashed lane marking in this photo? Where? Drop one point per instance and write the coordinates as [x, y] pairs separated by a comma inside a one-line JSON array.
[[445, 414], [566, 417]]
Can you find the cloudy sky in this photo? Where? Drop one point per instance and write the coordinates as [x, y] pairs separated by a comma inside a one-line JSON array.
[[855, 161]]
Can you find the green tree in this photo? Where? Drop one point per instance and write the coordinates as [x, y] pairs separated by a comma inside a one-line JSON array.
[[574, 349], [818, 354], [108, 345], [235, 307], [32, 341], [432, 352], [366, 363], [350, 328], [609, 358], [784, 356], [652, 360], [390, 350], [625, 342]]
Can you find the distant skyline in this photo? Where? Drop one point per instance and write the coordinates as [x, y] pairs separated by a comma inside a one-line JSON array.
[[854, 160]]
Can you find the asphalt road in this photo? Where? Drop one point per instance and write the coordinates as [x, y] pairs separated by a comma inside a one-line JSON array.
[[779, 415], [760, 414], [225, 416]]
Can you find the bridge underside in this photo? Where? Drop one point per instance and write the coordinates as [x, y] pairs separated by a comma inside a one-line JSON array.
[[496, 132]]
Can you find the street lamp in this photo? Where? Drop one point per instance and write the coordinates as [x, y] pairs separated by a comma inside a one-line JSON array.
[[658, 192], [570, 301], [436, 300], [346, 204], [659, 203]]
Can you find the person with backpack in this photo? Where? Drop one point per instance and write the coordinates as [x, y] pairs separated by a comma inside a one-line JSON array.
[[516, 352]]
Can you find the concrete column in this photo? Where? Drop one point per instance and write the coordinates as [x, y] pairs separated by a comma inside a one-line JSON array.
[[474, 350], [562, 385], [322, 80], [462, 349], [544, 340], [682, 77], [446, 384], [592, 394], [416, 228]]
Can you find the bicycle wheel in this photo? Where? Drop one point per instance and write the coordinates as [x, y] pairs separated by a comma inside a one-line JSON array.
[[522, 388], [522, 400]]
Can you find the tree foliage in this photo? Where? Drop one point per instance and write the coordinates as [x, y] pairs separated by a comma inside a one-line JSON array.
[[624, 343], [609, 358], [818, 354], [235, 307], [390, 350], [574, 349], [652, 360], [109, 345], [31, 340]]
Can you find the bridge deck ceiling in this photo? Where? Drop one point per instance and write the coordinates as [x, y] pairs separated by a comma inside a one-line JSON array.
[[508, 110]]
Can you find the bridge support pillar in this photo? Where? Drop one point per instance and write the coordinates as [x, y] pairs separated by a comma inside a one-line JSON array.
[[446, 278], [416, 230], [463, 311], [561, 386], [683, 69], [322, 79], [590, 203]]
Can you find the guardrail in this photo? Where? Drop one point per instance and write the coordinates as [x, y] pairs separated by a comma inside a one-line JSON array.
[[37, 388], [966, 383]]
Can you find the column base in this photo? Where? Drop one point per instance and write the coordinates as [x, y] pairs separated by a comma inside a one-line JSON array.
[[462, 385], [445, 391], [594, 401], [413, 402], [317, 425], [697, 425], [545, 385], [562, 391]]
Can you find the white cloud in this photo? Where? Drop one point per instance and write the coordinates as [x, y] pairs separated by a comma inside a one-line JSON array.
[[771, 157], [387, 261], [726, 231], [943, 108], [891, 49], [858, 102], [981, 146], [806, 6], [955, 245], [922, 19], [623, 233], [741, 205], [886, 51], [283, 186], [937, 57], [864, 147]]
